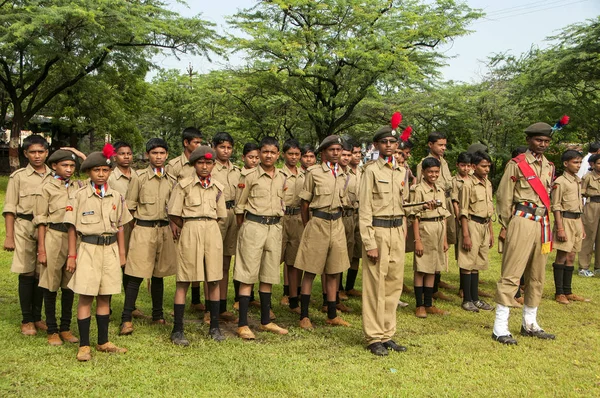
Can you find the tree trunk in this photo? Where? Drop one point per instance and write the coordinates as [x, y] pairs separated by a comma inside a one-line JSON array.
[[15, 136]]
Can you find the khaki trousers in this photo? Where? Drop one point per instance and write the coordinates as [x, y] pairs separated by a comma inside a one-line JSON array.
[[591, 226]]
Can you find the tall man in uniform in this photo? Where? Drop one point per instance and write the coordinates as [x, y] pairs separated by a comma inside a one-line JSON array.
[[523, 211]]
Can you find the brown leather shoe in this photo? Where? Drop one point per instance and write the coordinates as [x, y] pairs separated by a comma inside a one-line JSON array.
[[344, 308], [562, 299], [343, 295], [295, 310], [285, 300], [354, 293], [54, 339], [461, 293], [337, 321], [245, 333], [520, 301], [159, 322], [84, 354], [236, 305], [445, 285], [111, 348], [420, 312], [28, 329], [198, 307], [137, 314], [273, 328], [41, 325], [126, 329], [206, 318], [574, 297], [272, 316], [441, 296], [68, 337], [407, 290], [481, 293], [436, 311], [306, 324], [225, 317]]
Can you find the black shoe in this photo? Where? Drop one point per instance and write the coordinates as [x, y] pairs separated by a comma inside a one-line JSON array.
[[391, 345], [506, 339], [178, 338], [216, 334], [540, 334], [482, 305], [378, 349]]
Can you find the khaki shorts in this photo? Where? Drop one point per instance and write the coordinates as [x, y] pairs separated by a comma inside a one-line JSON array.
[[229, 232], [433, 259], [152, 253], [98, 272], [200, 252], [25, 254], [55, 275], [477, 258], [349, 227], [290, 241], [258, 253], [357, 253], [574, 232], [323, 247]]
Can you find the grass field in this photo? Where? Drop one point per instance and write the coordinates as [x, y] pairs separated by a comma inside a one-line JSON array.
[[447, 356]]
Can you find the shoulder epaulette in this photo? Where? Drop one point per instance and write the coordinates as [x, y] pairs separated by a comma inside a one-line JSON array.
[[217, 184], [246, 172], [14, 173], [184, 182], [313, 167]]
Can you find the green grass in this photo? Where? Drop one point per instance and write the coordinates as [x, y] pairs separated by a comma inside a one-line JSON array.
[[447, 356]]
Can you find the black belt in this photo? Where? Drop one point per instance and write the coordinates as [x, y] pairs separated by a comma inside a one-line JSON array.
[[28, 217], [595, 199], [432, 219], [202, 218], [230, 204], [267, 220], [480, 220], [100, 240], [151, 223], [348, 212], [327, 216], [571, 215], [537, 211], [387, 222], [59, 227], [292, 211]]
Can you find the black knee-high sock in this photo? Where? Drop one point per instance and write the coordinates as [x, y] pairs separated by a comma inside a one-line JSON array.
[[38, 300], [559, 270], [252, 297], [178, 311], [568, 280], [293, 302], [436, 282], [195, 294], [351, 279], [419, 295], [337, 297], [213, 307], [84, 331], [222, 306], [26, 287], [125, 278], [475, 286], [304, 303], [244, 304], [66, 309], [265, 307], [331, 310], [286, 290], [50, 311], [428, 296], [157, 291], [299, 290], [461, 286], [236, 290], [102, 322], [324, 299], [131, 293], [465, 285], [341, 284]]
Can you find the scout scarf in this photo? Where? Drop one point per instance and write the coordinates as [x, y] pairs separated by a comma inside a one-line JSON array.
[[390, 161], [99, 190], [334, 168], [66, 180], [159, 171], [204, 182]]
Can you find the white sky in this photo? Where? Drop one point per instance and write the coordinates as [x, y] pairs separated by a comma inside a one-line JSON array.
[[511, 25]]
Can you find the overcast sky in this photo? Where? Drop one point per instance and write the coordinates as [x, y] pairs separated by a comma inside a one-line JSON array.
[[511, 25]]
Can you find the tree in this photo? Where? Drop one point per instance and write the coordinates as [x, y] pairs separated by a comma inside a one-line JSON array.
[[48, 46]]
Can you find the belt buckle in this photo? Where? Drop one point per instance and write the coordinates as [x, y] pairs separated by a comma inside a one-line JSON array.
[[267, 219], [106, 240], [540, 211]]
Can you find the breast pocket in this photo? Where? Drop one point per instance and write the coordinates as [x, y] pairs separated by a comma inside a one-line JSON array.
[[87, 218], [147, 205], [259, 193], [27, 200], [192, 201]]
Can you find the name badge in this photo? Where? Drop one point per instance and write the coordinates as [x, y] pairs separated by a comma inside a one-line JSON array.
[[88, 213]]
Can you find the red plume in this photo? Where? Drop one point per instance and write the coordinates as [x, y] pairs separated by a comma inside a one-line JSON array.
[[108, 150], [396, 120], [406, 134], [564, 120], [208, 156]]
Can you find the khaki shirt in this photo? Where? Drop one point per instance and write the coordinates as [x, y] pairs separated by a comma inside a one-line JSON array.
[[514, 188], [180, 167], [120, 182], [382, 191], [445, 179], [229, 177], [23, 186], [324, 191], [424, 193], [566, 194], [51, 201], [93, 215], [356, 190], [457, 184], [149, 194], [590, 184], [293, 186], [260, 194], [351, 198], [191, 199], [476, 198]]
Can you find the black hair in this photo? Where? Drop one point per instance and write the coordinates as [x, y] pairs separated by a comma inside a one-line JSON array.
[[594, 147], [306, 148], [35, 139], [290, 143], [436, 136], [518, 150], [355, 144], [222, 137], [154, 143], [594, 158], [122, 144], [249, 147], [463, 157], [479, 156], [189, 133], [269, 141], [408, 144], [570, 154], [430, 162]]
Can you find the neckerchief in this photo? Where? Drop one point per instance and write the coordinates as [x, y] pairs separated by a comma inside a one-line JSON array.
[[334, 168], [204, 182], [99, 190], [159, 171], [66, 180], [390, 161]]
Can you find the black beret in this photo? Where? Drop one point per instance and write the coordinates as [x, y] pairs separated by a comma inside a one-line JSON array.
[[384, 132], [96, 159], [539, 129], [202, 151], [477, 147], [61, 155], [329, 141]]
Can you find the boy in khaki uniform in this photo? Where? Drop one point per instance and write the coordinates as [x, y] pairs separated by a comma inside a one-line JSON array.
[[259, 209], [152, 253], [569, 232], [323, 246], [476, 208], [49, 215], [356, 171], [590, 189], [381, 220], [21, 235], [97, 214], [195, 205]]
